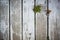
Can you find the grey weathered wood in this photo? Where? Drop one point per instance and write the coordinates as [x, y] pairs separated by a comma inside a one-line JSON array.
[[28, 20], [54, 20], [4, 19], [15, 12], [41, 22]]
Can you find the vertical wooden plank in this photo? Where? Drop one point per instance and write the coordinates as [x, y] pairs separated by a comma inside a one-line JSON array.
[[15, 12], [41, 22], [58, 19], [53, 20], [4, 19], [28, 20]]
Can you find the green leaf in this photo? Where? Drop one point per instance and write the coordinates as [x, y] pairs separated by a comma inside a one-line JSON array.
[[37, 8]]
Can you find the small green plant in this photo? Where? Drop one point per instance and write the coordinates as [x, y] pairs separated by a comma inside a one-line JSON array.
[[37, 8]]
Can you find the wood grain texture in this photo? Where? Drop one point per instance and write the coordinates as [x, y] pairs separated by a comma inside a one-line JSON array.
[[15, 12], [41, 22], [54, 20], [4, 19], [28, 20]]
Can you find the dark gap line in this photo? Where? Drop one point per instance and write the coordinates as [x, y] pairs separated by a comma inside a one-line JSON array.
[[35, 20], [9, 22], [22, 16], [47, 20]]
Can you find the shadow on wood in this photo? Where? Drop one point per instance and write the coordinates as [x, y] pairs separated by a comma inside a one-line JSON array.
[[1, 36]]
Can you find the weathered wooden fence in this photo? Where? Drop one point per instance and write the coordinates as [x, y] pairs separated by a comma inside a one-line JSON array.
[[19, 22]]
